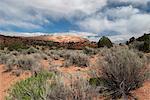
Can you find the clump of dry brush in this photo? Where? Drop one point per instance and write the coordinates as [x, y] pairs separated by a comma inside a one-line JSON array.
[[123, 70]]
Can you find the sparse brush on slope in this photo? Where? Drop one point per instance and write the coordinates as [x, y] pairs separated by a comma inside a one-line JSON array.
[[16, 46], [24, 62], [26, 59], [90, 51], [4, 57], [32, 50], [142, 43], [54, 54], [49, 86], [79, 59], [122, 71]]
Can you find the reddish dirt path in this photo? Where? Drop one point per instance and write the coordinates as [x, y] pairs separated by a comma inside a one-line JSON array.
[[7, 79]]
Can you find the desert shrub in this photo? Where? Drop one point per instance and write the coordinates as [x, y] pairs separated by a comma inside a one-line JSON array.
[[33, 88], [28, 62], [140, 45], [105, 42], [122, 71], [54, 54], [136, 45], [49, 86], [95, 81], [81, 90], [90, 51], [2, 46], [67, 54], [146, 46], [32, 50], [4, 57], [145, 37], [11, 63], [16, 46], [40, 56], [78, 89], [15, 53], [24, 62], [79, 59]]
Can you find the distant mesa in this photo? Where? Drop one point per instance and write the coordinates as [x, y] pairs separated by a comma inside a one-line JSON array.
[[60, 38]]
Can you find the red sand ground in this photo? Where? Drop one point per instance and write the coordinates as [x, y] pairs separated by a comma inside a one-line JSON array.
[[7, 80], [143, 93]]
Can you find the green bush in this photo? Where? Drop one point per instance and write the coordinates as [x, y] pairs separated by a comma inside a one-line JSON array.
[[105, 42], [122, 71], [142, 43], [34, 88], [16, 46], [145, 37], [95, 81], [146, 46]]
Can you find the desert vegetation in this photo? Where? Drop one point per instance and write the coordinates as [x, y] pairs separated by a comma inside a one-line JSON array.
[[105, 42], [49, 86], [142, 43], [122, 71], [109, 72]]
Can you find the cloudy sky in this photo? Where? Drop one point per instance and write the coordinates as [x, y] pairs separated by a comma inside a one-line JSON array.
[[118, 19]]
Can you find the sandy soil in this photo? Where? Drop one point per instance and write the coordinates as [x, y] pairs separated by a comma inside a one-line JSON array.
[[7, 79], [143, 93]]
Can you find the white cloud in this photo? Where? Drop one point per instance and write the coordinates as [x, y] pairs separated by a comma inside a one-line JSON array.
[[19, 24], [139, 23], [128, 21], [136, 2], [33, 14], [25, 34], [94, 24], [122, 12]]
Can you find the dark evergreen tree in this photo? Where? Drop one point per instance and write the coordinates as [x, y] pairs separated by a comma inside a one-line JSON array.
[[105, 42]]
